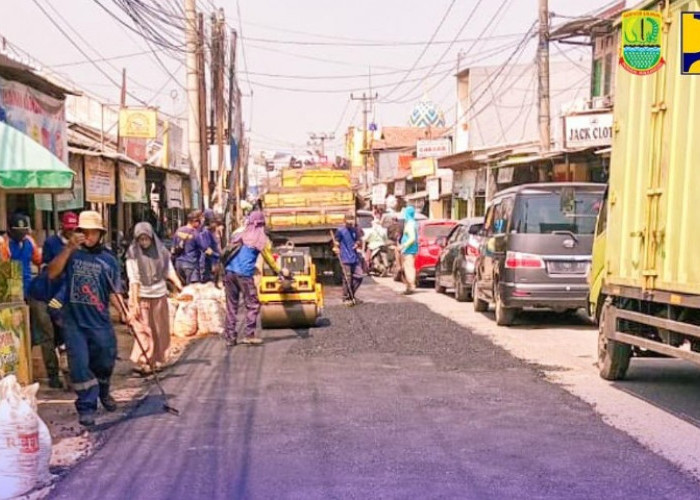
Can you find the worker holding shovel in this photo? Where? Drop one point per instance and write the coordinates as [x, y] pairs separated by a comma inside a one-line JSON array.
[[346, 242]]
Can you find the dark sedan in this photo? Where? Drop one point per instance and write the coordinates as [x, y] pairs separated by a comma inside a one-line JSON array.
[[455, 267]]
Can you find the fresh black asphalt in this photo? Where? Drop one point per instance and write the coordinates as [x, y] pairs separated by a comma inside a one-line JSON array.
[[386, 400]]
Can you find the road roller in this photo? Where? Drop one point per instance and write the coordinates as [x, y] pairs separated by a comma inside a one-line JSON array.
[[296, 302]]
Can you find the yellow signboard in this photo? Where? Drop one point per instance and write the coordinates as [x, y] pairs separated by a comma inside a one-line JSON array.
[[100, 180], [15, 342], [137, 122], [422, 167]]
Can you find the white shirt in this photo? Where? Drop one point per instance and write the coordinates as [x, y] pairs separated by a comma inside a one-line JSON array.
[[155, 291]]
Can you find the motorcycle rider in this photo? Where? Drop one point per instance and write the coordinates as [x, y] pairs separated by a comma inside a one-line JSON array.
[[375, 240]]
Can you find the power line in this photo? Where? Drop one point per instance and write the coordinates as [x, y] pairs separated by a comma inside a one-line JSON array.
[[103, 59], [425, 48]]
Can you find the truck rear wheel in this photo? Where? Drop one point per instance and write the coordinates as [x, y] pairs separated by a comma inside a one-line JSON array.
[[613, 357]]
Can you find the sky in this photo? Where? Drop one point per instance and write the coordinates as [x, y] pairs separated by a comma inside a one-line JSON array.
[[298, 61]]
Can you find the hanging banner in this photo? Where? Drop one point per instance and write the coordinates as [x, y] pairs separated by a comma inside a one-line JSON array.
[[173, 191], [100, 180], [400, 188], [136, 149], [132, 184], [138, 122], [35, 114], [68, 200], [433, 186], [378, 194], [186, 195], [423, 167], [15, 342]]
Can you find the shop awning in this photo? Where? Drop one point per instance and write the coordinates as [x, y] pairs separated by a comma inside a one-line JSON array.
[[25, 165]]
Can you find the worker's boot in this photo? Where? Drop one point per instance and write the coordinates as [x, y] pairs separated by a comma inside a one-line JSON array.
[[55, 381], [86, 419], [108, 402]]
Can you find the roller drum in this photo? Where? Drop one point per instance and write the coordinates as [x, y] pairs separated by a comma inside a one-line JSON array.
[[292, 315]]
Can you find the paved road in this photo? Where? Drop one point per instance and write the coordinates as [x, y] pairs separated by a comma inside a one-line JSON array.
[[387, 400]]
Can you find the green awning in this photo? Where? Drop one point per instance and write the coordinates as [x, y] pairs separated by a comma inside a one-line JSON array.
[[27, 165]]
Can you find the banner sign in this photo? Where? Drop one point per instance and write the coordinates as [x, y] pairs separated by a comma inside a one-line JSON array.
[[423, 167], [400, 188], [15, 342], [138, 122], [173, 191], [581, 131], [100, 180], [35, 114], [433, 186], [433, 148], [132, 184], [67, 200], [378, 194]]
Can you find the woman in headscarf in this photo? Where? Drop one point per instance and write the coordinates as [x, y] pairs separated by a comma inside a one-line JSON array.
[[239, 278], [148, 267], [409, 249]]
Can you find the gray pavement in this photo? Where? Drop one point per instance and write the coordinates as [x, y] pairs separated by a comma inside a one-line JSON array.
[[386, 400]]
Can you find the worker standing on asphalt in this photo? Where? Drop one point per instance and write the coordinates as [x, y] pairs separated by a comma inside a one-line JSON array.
[[208, 242], [409, 249], [148, 267], [239, 279], [91, 272], [186, 249], [346, 244]]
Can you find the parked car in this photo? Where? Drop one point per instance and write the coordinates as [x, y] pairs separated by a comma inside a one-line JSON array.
[[457, 260], [536, 250], [364, 219], [428, 249]]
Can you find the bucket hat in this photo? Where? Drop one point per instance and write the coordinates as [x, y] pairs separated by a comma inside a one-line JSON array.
[[90, 220]]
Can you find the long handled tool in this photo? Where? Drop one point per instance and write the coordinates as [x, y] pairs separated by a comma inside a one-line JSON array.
[[346, 280], [125, 311]]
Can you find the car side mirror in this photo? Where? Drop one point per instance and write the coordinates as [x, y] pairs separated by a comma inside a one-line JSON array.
[[441, 241], [476, 229]]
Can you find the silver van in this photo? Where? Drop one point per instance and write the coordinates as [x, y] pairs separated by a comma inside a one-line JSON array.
[[536, 248]]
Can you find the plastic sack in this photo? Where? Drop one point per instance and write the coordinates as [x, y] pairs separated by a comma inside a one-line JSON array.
[[43, 475], [19, 435], [189, 293], [172, 310], [185, 320], [209, 291], [210, 316]]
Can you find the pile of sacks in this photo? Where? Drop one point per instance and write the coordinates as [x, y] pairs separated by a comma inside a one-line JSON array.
[[198, 310], [25, 441]]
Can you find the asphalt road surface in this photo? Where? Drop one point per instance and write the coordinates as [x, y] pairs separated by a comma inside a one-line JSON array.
[[385, 400]]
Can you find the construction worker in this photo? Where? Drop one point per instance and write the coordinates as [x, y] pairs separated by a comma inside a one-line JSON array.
[[208, 242], [186, 249], [347, 242], [91, 279], [23, 248]]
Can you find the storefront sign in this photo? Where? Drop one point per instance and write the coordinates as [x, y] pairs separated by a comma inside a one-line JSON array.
[[433, 148], [35, 114], [405, 163], [100, 180], [378, 194], [136, 149], [15, 347], [433, 187], [588, 130], [132, 184], [138, 122], [400, 188], [423, 167], [446, 180], [173, 148], [68, 200], [173, 190], [186, 195]]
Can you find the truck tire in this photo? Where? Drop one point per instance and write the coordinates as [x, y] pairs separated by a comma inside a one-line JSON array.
[[461, 292], [480, 306], [613, 357]]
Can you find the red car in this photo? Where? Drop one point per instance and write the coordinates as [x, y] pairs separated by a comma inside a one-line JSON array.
[[428, 249]]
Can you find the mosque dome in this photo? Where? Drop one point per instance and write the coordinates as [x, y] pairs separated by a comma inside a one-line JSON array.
[[426, 114]]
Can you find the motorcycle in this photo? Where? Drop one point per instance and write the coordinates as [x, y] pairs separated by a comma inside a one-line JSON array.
[[380, 261]]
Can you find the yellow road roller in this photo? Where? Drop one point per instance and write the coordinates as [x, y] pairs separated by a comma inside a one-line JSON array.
[[296, 302]]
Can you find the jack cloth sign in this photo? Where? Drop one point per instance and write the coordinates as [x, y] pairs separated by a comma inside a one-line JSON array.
[[138, 123]]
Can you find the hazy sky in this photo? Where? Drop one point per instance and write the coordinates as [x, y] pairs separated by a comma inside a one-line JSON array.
[[275, 41]]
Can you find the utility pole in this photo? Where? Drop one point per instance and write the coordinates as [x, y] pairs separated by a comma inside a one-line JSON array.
[[220, 57], [193, 129], [367, 102], [233, 104], [543, 76], [202, 112], [120, 141], [320, 140]]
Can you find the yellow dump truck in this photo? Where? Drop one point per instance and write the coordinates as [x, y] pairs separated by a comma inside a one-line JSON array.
[[646, 264], [306, 207]]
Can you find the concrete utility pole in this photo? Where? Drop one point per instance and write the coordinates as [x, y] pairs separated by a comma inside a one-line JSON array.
[[120, 147], [202, 108], [193, 129], [235, 132], [218, 61], [543, 76], [366, 110]]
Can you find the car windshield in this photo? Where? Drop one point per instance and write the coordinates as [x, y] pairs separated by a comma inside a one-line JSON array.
[[434, 231], [364, 221], [569, 210]]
